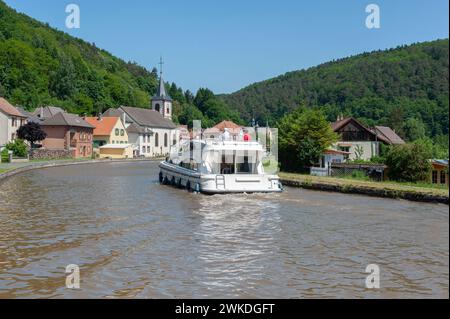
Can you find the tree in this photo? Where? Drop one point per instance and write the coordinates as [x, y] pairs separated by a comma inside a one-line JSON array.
[[414, 129], [303, 136], [189, 113], [202, 97], [309, 151], [31, 132], [409, 162]]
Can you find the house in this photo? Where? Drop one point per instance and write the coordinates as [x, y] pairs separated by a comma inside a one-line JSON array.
[[110, 137], [361, 142], [108, 130], [69, 132], [10, 121], [151, 132], [217, 130], [439, 172]]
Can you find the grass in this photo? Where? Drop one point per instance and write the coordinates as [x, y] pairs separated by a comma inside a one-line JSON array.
[[61, 160], [3, 170], [386, 185]]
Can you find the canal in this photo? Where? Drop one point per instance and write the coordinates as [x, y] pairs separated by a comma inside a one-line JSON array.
[[133, 238]]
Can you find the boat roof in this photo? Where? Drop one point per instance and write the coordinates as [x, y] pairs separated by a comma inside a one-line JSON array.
[[234, 145], [217, 144]]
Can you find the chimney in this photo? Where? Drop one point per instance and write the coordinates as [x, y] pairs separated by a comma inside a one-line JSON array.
[[41, 115], [99, 117]]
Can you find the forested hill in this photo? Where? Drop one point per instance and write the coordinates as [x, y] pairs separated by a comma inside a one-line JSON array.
[[42, 66], [392, 87]]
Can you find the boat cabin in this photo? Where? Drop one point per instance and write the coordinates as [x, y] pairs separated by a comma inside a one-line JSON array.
[[220, 157]]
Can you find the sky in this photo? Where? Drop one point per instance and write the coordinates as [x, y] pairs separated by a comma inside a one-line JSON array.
[[226, 45]]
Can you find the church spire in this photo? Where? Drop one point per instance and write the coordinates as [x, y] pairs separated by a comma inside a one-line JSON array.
[[161, 93]]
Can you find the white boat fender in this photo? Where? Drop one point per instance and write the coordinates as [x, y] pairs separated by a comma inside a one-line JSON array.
[[197, 188]]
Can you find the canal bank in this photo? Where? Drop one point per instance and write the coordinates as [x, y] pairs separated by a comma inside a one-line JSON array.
[[8, 170], [368, 188]]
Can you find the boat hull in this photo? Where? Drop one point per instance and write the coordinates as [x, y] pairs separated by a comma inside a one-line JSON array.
[[175, 175]]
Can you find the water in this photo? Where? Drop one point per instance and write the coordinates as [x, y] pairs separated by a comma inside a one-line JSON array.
[[133, 238]]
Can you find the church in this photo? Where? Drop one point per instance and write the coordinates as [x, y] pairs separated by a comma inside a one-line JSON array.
[[151, 132]]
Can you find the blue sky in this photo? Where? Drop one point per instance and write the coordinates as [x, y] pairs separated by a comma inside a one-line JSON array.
[[228, 44]]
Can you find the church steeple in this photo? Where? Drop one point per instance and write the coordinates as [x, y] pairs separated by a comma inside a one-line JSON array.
[[161, 93], [162, 102]]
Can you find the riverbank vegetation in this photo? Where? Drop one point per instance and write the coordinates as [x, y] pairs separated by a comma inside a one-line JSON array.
[[420, 188]]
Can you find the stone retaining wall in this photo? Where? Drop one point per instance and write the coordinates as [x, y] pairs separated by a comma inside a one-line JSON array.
[[40, 154]]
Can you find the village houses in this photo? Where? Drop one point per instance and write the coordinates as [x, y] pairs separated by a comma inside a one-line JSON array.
[[110, 137], [10, 121]]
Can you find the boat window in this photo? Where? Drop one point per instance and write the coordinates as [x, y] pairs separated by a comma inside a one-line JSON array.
[[227, 164], [193, 165], [245, 167]]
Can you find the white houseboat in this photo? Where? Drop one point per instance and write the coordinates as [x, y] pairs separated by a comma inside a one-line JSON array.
[[215, 166]]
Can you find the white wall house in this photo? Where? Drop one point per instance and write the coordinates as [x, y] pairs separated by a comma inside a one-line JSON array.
[[10, 121]]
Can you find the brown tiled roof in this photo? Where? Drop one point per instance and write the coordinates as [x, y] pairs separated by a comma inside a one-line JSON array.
[[341, 123], [103, 126], [111, 112], [66, 119], [147, 117], [226, 124], [336, 126], [8, 109], [389, 134], [47, 111]]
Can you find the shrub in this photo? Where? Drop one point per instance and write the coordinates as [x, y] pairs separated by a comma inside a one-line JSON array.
[[409, 162], [18, 147], [4, 156]]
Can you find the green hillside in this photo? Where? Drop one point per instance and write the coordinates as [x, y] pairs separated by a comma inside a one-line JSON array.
[[42, 66], [405, 88]]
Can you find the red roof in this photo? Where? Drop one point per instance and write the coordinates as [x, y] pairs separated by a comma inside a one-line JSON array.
[[226, 124], [104, 126], [8, 109]]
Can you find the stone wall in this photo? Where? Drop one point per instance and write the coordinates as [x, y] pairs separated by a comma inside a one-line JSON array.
[[38, 154]]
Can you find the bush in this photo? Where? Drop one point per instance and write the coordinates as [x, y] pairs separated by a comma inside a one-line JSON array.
[[4, 156], [409, 162], [18, 147]]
